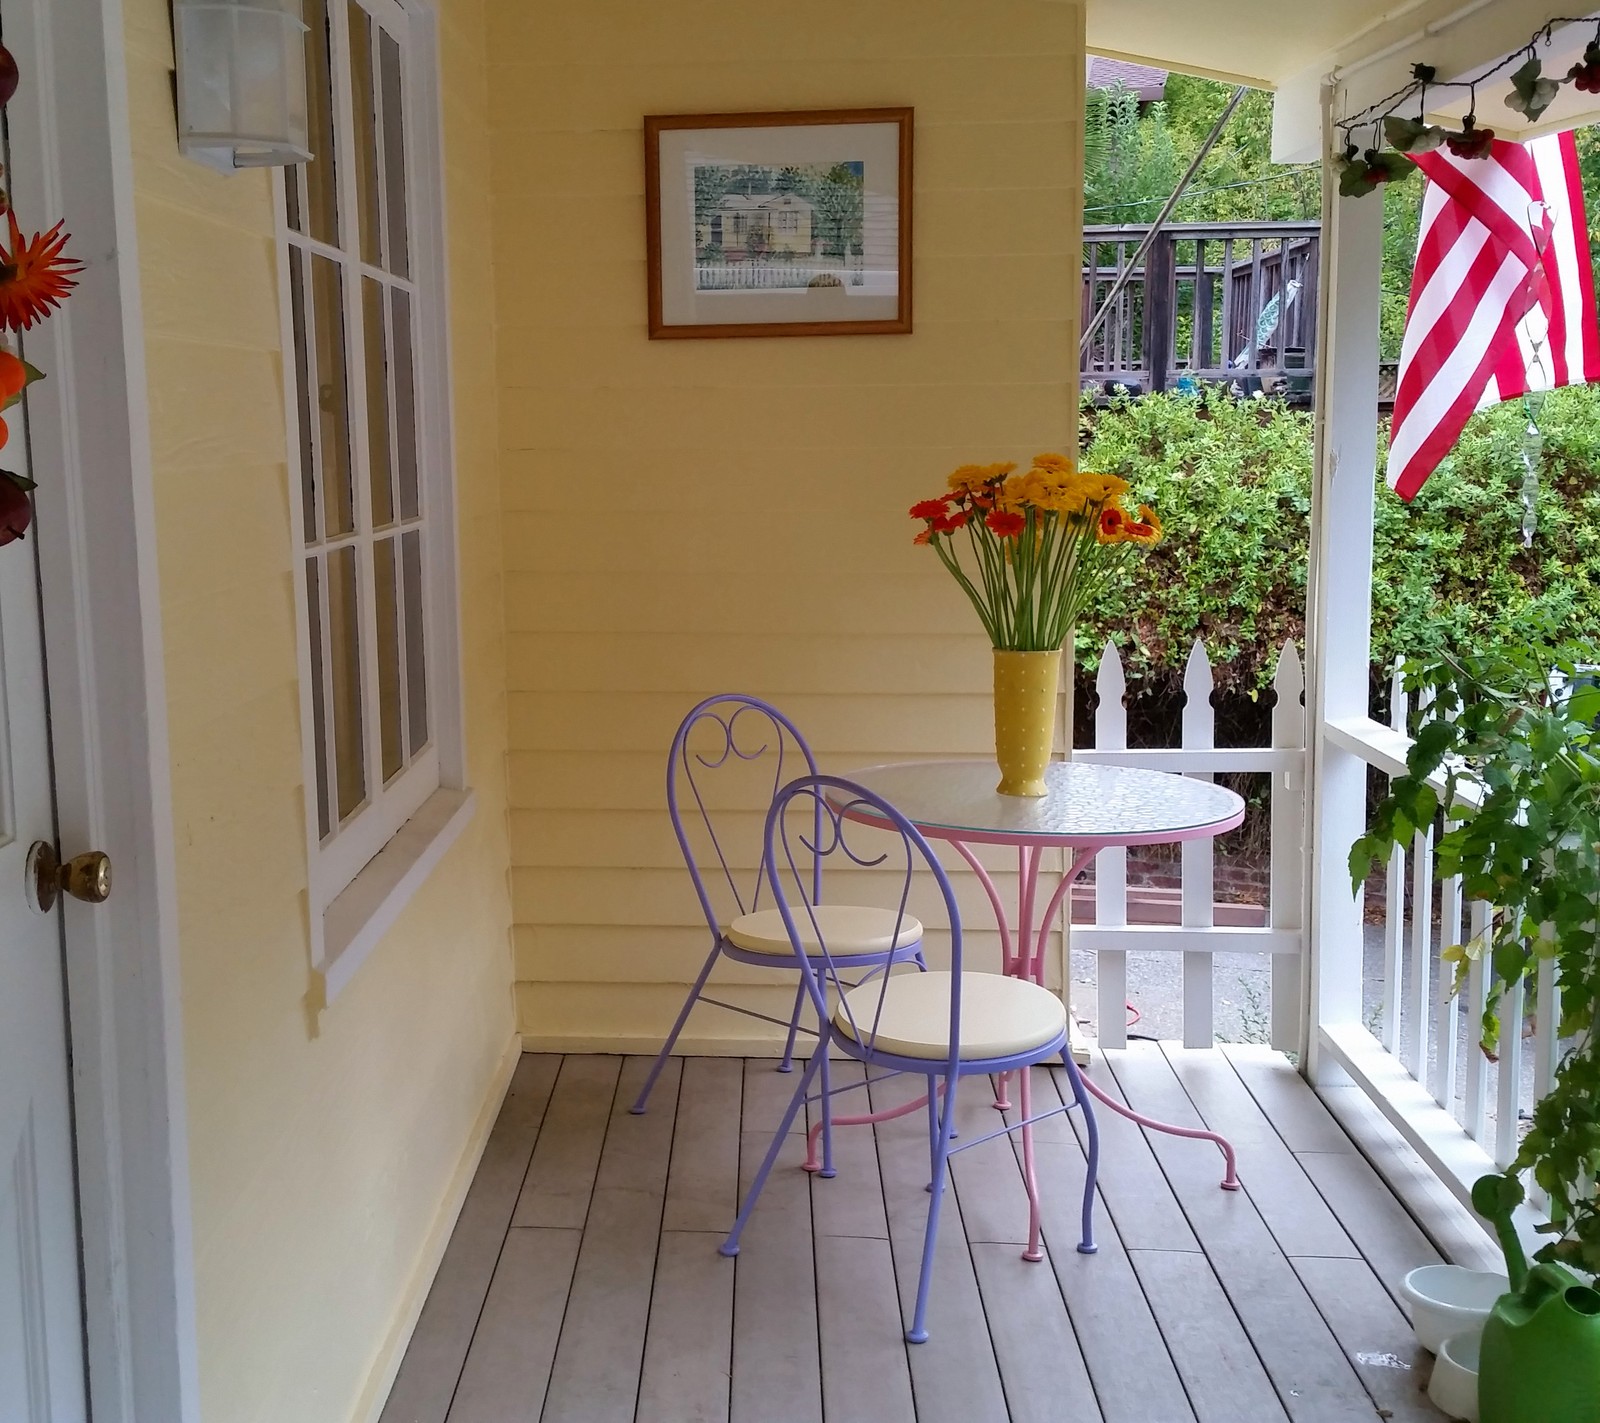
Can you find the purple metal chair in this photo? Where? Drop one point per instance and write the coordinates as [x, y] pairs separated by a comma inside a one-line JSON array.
[[941, 1025], [729, 758]]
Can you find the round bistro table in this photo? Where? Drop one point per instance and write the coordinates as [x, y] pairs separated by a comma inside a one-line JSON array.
[[1086, 809]]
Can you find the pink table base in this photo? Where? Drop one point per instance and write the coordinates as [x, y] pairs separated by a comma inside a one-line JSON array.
[[1022, 952]]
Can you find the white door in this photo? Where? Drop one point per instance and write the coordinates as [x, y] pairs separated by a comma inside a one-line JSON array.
[[41, 1315]]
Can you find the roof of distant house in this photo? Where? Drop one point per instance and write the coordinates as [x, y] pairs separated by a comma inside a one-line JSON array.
[[1149, 84], [733, 202]]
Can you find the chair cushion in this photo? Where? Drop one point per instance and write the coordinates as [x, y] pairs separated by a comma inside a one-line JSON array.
[[846, 929], [1000, 1016]]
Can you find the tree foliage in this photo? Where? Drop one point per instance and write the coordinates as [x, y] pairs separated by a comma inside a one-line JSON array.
[[1232, 483]]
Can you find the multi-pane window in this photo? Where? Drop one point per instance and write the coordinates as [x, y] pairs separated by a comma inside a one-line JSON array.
[[363, 482]]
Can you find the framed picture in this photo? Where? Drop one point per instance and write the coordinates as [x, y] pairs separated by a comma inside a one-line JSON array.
[[781, 224]]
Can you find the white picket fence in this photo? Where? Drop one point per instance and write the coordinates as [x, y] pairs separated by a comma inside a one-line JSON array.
[[1197, 937]]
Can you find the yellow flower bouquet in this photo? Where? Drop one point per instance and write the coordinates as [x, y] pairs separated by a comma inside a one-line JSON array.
[[1030, 550], [1038, 545]]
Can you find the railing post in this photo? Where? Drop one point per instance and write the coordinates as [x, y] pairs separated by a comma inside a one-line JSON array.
[[1111, 866], [1286, 891], [1160, 282], [1339, 595], [1199, 888]]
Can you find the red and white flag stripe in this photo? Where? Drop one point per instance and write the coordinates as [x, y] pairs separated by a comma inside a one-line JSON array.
[[1502, 296]]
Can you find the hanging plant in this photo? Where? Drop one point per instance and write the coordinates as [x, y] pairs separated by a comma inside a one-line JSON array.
[[1412, 135]]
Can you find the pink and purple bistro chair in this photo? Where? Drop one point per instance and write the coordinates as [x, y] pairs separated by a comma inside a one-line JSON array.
[[943, 1026], [731, 754]]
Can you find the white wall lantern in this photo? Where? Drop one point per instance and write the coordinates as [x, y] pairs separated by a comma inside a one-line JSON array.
[[241, 82]]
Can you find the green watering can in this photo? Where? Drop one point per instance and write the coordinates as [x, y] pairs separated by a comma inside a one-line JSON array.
[[1540, 1358]]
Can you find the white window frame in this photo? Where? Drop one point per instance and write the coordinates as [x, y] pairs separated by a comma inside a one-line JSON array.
[[361, 876]]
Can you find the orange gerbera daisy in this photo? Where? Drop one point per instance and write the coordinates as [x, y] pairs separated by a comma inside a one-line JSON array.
[[949, 523], [34, 275], [1113, 523], [930, 508], [1005, 524], [926, 536]]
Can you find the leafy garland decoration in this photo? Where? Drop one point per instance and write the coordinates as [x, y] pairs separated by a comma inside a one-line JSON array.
[[1532, 92], [36, 276]]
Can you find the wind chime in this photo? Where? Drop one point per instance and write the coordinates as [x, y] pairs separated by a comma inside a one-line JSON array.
[[35, 277]]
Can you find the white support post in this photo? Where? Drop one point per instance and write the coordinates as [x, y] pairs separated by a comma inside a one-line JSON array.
[[1339, 593]]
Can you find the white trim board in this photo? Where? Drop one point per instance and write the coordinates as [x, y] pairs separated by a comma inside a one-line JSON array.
[[96, 533]]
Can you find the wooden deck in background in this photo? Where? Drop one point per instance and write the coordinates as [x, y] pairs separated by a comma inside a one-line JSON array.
[[583, 1285]]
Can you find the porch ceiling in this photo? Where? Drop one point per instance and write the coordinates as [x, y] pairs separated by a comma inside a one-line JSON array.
[[1370, 45]]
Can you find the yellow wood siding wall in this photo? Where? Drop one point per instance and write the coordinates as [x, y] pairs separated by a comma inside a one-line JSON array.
[[686, 517], [322, 1145]]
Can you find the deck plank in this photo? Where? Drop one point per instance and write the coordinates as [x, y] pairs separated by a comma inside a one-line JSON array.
[[508, 1367], [1313, 1379], [851, 1203], [954, 1375], [1218, 1365], [595, 1376], [1388, 1238], [688, 1351], [1132, 1371], [1374, 1335], [865, 1372], [703, 1183], [777, 1370], [1286, 1099], [560, 1178], [431, 1367], [1138, 1200], [1041, 1366], [994, 1201], [1295, 1213]]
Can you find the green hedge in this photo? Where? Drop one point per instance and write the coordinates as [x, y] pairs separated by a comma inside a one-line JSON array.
[[1232, 483]]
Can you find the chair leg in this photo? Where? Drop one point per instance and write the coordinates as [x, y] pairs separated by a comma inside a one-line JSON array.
[[787, 1065], [1086, 1246], [1031, 1181], [683, 1017], [730, 1246], [918, 1333]]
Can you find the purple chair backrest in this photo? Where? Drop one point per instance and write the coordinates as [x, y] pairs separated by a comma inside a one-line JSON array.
[[731, 755], [813, 818]]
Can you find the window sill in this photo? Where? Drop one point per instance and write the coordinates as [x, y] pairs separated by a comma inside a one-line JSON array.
[[364, 910]]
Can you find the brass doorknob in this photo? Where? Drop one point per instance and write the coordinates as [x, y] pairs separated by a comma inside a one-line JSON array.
[[86, 877]]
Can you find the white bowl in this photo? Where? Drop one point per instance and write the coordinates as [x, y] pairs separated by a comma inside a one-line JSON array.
[[1450, 1299], [1454, 1385]]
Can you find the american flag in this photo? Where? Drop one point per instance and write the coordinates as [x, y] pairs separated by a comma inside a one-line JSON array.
[[1502, 295]]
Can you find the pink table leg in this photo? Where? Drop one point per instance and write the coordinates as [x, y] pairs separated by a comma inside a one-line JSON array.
[[888, 1114], [1028, 962]]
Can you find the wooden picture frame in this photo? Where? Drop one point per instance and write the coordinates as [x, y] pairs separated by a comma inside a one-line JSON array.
[[779, 224]]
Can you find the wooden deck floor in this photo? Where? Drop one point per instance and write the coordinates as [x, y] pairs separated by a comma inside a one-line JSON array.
[[583, 1285]]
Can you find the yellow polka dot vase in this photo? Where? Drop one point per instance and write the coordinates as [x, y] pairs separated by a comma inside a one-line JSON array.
[[1025, 686]]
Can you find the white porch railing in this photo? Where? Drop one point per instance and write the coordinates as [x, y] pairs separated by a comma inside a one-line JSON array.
[[1196, 937], [1420, 1053]]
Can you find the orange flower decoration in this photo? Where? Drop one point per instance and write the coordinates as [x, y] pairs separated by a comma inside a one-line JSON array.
[[1146, 529], [1113, 523], [34, 275], [13, 375], [949, 523], [1005, 524], [926, 536], [930, 509]]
